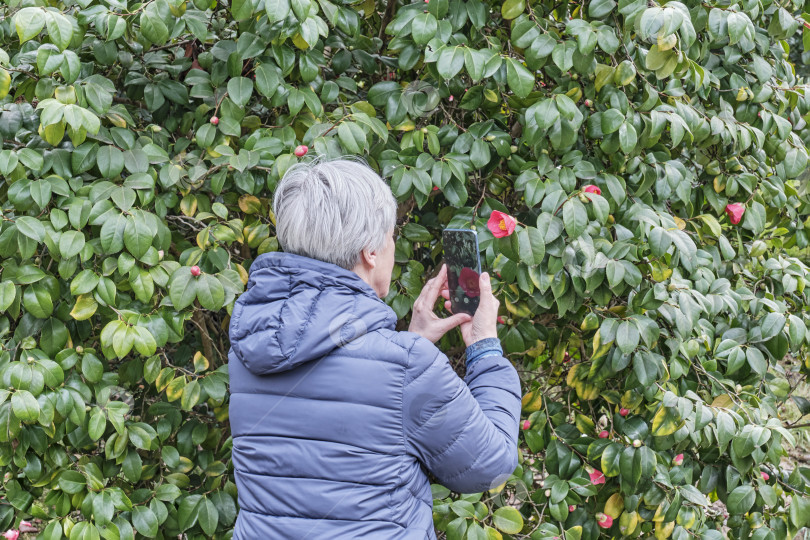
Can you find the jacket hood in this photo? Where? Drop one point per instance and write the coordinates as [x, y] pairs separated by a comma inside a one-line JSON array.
[[298, 309]]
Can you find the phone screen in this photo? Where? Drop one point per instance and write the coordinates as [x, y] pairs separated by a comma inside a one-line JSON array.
[[463, 268]]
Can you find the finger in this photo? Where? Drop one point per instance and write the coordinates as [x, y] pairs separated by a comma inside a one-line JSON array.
[[484, 284], [451, 322], [446, 294], [448, 306], [431, 289]]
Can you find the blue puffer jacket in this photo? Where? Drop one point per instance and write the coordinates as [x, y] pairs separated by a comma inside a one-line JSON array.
[[335, 416]]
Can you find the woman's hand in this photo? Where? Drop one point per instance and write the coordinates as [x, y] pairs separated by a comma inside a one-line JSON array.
[[484, 324], [424, 321]]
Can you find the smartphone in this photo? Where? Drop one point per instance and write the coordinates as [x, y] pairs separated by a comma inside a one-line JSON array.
[[463, 268]]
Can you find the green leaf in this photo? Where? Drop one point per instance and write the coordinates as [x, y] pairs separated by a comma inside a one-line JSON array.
[[60, 29], [546, 114], [25, 405], [137, 236], [627, 137], [72, 482], [612, 120], [575, 217], [208, 516], [182, 288], [352, 137], [301, 8], [423, 28], [97, 424], [153, 28], [627, 337], [520, 79], [451, 60], [531, 245], [141, 435], [241, 10], [741, 499], [31, 227], [71, 244], [508, 520], [210, 292], [267, 81], [239, 90], [772, 324], [29, 22], [7, 294], [145, 521], [510, 9]]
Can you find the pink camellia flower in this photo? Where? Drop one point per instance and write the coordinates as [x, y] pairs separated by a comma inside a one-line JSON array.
[[765, 476], [468, 281], [301, 150], [603, 434], [735, 212], [501, 320], [571, 508], [624, 412], [597, 477], [501, 224], [590, 188], [526, 425], [678, 460], [604, 520], [11, 534]]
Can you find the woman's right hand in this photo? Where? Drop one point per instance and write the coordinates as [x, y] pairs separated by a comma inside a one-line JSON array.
[[484, 323]]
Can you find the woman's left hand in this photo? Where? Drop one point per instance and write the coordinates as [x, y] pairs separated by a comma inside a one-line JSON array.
[[424, 321]]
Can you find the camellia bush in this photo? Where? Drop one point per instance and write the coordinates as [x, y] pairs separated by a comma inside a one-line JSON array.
[[633, 170]]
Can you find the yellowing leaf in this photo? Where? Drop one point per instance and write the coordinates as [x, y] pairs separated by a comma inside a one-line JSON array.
[[614, 506], [723, 401], [5, 83], [584, 424], [175, 389], [84, 308], [189, 205], [532, 401], [665, 422]]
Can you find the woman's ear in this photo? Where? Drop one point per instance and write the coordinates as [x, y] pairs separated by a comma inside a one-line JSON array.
[[369, 258]]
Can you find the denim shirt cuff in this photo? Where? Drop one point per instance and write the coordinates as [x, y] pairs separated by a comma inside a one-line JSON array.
[[483, 348]]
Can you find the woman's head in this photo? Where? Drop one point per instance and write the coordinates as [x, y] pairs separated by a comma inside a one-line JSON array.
[[341, 212]]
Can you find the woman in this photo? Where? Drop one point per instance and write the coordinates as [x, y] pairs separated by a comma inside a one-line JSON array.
[[335, 416]]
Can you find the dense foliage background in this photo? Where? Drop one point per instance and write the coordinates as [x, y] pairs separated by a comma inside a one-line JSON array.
[[658, 337]]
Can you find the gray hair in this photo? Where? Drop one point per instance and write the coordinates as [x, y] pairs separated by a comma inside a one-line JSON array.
[[333, 210]]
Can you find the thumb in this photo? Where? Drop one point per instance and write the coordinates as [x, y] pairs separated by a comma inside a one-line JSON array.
[[484, 283]]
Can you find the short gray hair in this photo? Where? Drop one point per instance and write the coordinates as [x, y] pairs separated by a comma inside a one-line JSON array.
[[333, 210]]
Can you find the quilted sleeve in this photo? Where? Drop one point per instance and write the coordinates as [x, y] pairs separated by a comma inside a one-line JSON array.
[[464, 431]]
